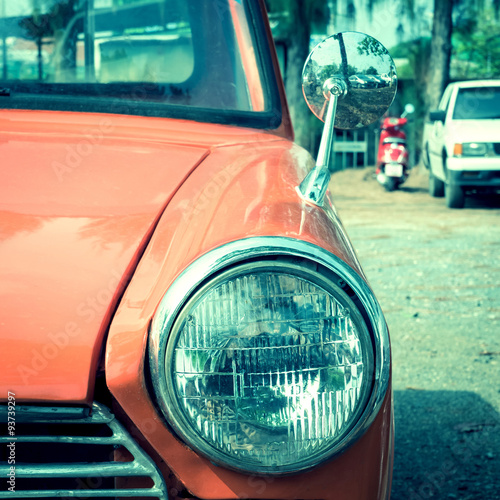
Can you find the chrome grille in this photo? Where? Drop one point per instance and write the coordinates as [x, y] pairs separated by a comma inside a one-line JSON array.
[[70, 452]]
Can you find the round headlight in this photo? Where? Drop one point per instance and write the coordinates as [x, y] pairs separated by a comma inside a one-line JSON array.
[[267, 367]]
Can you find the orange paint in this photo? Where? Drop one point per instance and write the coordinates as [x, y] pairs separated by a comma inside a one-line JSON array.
[[74, 221], [238, 192], [99, 214]]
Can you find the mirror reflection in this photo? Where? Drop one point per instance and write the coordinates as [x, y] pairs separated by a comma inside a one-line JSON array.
[[365, 67]]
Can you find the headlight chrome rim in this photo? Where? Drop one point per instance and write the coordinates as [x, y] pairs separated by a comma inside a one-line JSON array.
[[237, 253]]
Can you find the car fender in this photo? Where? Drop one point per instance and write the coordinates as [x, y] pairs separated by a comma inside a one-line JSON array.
[[238, 192]]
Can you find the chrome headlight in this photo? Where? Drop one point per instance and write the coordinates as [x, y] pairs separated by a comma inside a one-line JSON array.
[[269, 365]]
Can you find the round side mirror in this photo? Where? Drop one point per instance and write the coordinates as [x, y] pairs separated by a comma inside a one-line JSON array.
[[358, 64], [409, 109]]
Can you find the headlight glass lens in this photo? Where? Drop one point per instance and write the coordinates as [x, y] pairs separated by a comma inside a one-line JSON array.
[[474, 149], [268, 367]]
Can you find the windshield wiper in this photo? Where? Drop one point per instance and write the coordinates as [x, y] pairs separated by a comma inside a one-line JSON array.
[[5, 92]]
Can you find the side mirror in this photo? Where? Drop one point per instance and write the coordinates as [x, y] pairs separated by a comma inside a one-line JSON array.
[[437, 116], [409, 109], [349, 81]]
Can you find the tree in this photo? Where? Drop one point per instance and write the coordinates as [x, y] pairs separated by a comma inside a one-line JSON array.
[[475, 46], [441, 44], [431, 60], [37, 27], [417, 52], [40, 26], [297, 17], [440, 56]]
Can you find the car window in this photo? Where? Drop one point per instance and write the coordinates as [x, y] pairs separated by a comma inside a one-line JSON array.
[[479, 103], [193, 53]]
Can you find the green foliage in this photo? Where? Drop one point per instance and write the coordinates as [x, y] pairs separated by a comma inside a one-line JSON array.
[[38, 25], [283, 12], [328, 71], [476, 47], [371, 46], [417, 53], [475, 53]]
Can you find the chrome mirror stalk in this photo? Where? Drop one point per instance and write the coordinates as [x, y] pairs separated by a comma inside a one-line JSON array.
[[313, 187]]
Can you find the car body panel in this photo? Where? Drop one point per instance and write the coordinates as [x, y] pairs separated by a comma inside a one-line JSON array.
[[244, 191], [70, 192], [472, 165], [461, 131]]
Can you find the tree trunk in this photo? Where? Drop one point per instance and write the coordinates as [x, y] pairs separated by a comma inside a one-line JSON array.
[[40, 58], [343, 55], [439, 64], [298, 50]]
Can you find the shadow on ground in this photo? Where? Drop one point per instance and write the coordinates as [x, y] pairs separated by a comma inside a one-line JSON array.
[[478, 200], [413, 189], [447, 446]]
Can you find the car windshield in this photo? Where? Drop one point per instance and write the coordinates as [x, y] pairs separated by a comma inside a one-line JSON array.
[[479, 103], [190, 59]]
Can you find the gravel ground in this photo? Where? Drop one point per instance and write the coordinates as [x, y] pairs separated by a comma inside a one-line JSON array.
[[436, 273]]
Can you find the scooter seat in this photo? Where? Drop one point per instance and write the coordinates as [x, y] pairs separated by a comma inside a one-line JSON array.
[[396, 140]]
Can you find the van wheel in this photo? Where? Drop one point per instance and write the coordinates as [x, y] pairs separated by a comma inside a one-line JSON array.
[[436, 186], [455, 197]]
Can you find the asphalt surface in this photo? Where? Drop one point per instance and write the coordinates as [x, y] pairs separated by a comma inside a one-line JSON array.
[[436, 274]]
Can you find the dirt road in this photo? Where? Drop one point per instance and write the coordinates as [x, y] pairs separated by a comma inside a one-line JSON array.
[[436, 273]]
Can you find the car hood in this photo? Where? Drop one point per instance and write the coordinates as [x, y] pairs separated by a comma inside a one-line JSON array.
[[79, 199], [475, 130]]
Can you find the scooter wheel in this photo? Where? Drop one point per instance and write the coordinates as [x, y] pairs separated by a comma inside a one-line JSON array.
[[390, 184]]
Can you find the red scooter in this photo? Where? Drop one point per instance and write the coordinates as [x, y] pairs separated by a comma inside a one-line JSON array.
[[392, 160]]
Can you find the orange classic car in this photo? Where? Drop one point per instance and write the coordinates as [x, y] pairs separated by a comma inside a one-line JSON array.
[[181, 312]]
